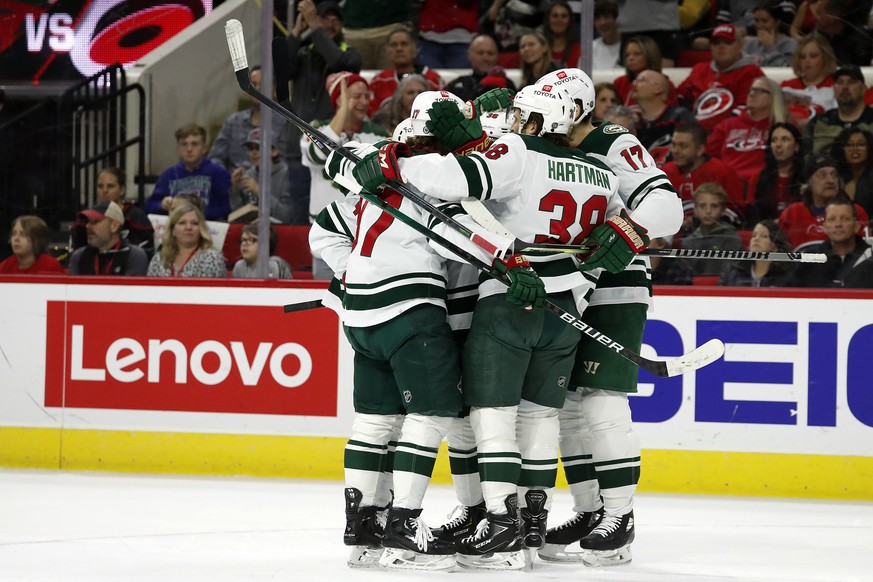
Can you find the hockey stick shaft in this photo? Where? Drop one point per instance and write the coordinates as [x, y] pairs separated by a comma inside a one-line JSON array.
[[478, 212], [236, 44], [689, 253]]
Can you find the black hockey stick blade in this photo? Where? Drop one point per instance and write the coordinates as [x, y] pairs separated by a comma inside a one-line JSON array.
[[302, 306]]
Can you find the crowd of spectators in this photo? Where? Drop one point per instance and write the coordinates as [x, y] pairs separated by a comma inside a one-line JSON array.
[[781, 153]]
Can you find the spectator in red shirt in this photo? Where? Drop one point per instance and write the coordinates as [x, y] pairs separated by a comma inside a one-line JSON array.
[[29, 241], [401, 50], [691, 167], [812, 91], [715, 88], [803, 221], [782, 178], [561, 34], [740, 141]]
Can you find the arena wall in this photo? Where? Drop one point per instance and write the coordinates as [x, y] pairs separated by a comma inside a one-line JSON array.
[[146, 375]]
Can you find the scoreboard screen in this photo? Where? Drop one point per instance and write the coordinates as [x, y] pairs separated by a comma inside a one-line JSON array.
[[51, 40]]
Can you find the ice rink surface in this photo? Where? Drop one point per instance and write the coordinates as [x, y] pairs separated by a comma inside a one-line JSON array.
[[102, 527]]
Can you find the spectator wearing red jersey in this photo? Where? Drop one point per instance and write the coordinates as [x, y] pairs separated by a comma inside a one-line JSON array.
[[782, 178], [401, 50], [691, 167], [715, 88], [812, 91], [740, 141], [803, 221], [656, 119], [29, 240]]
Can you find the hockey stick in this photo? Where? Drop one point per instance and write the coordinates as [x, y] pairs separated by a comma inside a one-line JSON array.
[[478, 212], [701, 356], [302, 306]]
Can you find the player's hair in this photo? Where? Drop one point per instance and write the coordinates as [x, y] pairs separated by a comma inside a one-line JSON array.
[[428, 142], [169, 246], [827, 52], [694, 129], [252, 229], [36, 230], [713, 188], [191, 129]]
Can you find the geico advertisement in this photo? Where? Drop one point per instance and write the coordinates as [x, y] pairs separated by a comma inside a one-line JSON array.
[[193, 358], [797, 376]]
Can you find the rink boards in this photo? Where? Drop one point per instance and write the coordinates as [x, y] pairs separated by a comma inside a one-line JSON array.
[[153, 376]]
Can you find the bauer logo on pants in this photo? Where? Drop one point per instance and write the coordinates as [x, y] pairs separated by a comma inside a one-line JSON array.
[[193, 358]]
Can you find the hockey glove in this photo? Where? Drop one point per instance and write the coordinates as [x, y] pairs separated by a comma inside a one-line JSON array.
[[493, 100], [619, 239], [526, 288], [449, 125], [376, 168]]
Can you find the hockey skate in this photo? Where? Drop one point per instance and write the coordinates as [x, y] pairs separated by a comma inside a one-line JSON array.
[[462, 523], [363, 531], [495, 545], [409, 544], [608, 544], [559, 539], [532, 524]]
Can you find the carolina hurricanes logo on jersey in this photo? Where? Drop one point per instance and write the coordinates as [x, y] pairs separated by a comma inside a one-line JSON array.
[[713, 102], [740, 140]]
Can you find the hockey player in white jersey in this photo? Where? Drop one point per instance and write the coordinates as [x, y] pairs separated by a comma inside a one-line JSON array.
[[394, 315], [516, 363], [599, 450]]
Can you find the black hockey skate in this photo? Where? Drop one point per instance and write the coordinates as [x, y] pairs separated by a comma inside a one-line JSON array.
[[363, 531], [410, 545], [462, 524], [558, 539], [608, 544], [495, 545], [532, 524]]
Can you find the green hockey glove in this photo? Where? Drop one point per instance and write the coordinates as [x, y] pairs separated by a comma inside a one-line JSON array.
[[449, 125], [376, 168], [493, 100], [619, 239], [526, 288]]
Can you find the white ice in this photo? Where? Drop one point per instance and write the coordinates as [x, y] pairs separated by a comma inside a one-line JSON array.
[[96, 527]]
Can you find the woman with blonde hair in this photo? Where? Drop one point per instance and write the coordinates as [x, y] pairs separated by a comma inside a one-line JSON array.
[[741, 141], [186, 249], [812, 91], [536, 57], [399, 106]]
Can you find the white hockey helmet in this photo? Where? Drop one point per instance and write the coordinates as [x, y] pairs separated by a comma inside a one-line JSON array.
[[553, 103], [495, 123], [575, 82], [425, 101], [402, 131]]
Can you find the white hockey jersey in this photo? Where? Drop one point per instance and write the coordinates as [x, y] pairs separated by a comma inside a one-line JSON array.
[[540, 192], [322, 190], [650, 198], [330, 239]]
